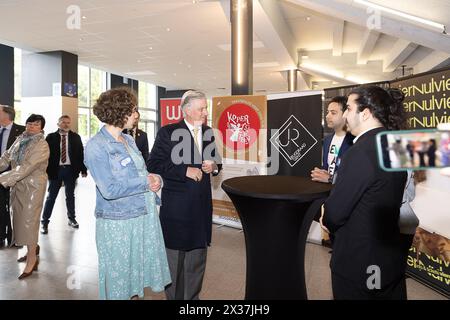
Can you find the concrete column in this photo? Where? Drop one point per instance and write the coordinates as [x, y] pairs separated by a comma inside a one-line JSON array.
[[241, 47], [292, 80]]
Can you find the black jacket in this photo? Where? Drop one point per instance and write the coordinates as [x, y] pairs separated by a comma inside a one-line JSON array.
[[16, 130], [186, 211], [362, 212], [75, 152], [141, 142]]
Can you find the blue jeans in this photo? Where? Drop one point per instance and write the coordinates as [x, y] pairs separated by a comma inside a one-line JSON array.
[[64, 174]]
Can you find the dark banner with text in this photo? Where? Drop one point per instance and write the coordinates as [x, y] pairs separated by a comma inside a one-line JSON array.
[[427, 104], [427, 99]]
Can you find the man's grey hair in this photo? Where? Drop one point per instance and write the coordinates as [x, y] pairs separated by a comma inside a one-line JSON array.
[[64, 116], [9, 110], [188, 97]]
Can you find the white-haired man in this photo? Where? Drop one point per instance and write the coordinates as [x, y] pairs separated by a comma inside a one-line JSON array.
[[185, 156]]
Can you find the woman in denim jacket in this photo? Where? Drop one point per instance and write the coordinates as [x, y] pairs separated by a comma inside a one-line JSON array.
[[130, 244]]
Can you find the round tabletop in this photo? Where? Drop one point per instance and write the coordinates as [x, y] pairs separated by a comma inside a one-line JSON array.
[[277, 187]]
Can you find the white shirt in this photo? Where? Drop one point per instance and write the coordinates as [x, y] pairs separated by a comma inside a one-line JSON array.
[[333, 152], [199, 134]]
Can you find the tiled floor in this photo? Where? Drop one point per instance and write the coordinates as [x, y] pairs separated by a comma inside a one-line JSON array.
[[68, 262]]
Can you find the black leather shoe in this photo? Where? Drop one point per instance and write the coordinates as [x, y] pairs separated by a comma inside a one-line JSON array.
[[44, 229], [73, 223]]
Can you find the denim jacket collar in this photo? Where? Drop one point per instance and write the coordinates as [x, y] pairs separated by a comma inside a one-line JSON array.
[[108, 135]]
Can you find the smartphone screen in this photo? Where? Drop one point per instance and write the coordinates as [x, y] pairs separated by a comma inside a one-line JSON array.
[[413, 149]]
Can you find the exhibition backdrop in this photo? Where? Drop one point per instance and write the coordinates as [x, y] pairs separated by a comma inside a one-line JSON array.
[[427, 103], [295, 141], [240, 124], [275, 135]]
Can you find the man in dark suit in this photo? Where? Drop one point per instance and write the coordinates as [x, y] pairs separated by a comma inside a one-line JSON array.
[[8, 134], [334, 147], [140, 137], [64, 165], [368, 260], [186, 211]]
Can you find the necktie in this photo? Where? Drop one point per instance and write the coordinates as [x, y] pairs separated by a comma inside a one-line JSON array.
[[63, 149], [1, 140], [195, 130]]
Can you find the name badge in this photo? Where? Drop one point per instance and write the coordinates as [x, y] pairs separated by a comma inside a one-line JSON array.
[[125, 161]]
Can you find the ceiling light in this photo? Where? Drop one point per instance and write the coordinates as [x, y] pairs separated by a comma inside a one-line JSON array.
[[83, 17], [151, 48], [430, 23], [189, 66], [328, 73], [356, 79], [168, 29], [138, 61], [141, 73], [305, 57], [308, 18], [209, 55]]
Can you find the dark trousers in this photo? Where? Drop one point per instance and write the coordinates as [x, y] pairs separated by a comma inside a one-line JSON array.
[[344, 289], [64, 174], [5, 218], [187, 269]]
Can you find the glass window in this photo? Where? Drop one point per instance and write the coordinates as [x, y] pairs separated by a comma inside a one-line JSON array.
[[17, 74], [151, 134], [91, 83], [83, 122], [147, 114], [142, 95], [147, 95], [18, 85], [95, 124], [83, 86], [98, 84]]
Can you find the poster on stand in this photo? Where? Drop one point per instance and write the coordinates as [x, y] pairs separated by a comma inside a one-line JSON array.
[[240, 130]]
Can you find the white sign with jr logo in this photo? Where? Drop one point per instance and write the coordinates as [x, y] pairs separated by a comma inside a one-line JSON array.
[[293, 140]]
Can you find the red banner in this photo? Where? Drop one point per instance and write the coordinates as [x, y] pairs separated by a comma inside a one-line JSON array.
[[170, 110]]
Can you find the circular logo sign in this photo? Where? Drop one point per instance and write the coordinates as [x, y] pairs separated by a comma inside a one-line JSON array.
[[239, 125]]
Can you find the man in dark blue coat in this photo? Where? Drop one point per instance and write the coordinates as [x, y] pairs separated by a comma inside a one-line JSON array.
[[334, 147], [185, 156], [336, 144], [9, 131]]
